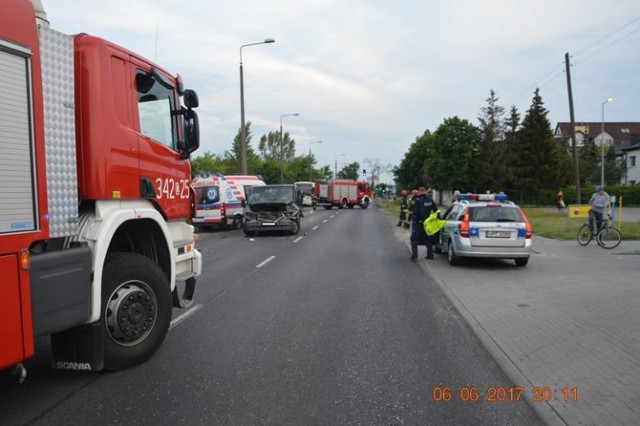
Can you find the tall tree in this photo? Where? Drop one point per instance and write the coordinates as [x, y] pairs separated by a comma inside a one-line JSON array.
[[232, 159], [490, 167], [270, 146], [206, 162], [539, 160], [410, 173], [511, 126], [450, 155], [349, 171]]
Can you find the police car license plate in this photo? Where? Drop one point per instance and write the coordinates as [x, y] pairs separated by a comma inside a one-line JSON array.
[[498, 234], [268, 224]]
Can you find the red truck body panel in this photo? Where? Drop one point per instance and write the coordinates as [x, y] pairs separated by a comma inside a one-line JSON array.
[[342, 192], [16, 332]]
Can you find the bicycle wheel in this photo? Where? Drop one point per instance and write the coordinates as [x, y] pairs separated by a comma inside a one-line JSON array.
[[584, 235], [609, 238]]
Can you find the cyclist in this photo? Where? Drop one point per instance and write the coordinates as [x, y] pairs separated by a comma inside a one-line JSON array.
[[599, 202]]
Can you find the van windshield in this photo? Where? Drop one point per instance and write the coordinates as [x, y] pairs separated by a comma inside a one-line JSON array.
[[271, 194]]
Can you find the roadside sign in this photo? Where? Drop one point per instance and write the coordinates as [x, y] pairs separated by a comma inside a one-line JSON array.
[[579, 210]]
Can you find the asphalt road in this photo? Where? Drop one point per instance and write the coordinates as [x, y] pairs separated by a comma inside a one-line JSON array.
[[332, 326]]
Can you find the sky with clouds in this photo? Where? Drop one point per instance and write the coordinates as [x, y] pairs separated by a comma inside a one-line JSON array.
[[369, 76]]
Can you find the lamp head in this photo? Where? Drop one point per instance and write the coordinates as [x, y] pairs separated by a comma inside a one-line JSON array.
[[269, 40]]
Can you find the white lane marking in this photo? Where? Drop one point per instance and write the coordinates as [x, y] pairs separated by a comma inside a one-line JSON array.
[[314, 228], [260, 265], [297, 239], [177, 320], [325, 221]]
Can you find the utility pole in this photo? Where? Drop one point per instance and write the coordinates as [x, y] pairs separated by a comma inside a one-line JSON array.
[[576, 169]]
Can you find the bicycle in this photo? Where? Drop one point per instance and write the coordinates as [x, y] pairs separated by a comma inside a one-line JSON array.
[[608, 237]]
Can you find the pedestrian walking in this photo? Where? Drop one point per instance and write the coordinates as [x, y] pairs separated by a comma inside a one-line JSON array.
[[404, 209], [559, 202], [424, 206]]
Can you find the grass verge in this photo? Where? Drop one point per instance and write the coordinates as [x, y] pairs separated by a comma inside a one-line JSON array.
[[545, 222]]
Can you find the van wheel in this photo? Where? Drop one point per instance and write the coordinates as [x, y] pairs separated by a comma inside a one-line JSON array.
[[136, 309], [296, 227], [522, 261], [237, 222]]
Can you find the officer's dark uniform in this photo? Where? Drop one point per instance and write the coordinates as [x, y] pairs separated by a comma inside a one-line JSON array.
[[424, 206]]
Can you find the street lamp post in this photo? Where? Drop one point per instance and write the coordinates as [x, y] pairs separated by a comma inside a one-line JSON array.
[[311, 162], [335, 172], [282, 146], [606, 101], [243, 133]]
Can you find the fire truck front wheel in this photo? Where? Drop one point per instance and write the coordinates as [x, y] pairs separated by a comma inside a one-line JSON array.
[[136, 309]]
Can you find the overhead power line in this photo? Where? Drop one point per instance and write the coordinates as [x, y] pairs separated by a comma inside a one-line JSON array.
[[554, 73]]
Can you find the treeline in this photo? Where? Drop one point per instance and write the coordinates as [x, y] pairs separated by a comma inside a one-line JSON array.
[[501, 153], [266, 161]]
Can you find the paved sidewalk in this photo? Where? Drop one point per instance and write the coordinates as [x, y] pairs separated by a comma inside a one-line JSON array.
[[571, 318]]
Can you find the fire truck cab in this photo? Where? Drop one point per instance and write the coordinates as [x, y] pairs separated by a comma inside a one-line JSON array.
[[94, 196]]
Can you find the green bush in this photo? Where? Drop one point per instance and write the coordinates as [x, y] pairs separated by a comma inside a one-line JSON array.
[[546, 197]]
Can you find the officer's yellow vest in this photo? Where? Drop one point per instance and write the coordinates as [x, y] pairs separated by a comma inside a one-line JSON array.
[[433, 223]]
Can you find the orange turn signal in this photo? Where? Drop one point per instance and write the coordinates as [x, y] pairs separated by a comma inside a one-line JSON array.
[[25, 260]]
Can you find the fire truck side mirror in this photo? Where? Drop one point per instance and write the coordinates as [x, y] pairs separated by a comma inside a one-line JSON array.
[[191, 99], [191, 133]]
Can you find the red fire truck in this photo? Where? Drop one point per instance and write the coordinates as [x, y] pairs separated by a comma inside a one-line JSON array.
[[342, 193], [94, 196]]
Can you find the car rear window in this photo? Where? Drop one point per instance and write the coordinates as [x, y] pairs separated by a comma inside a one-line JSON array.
[[494, 214], [207, 194]]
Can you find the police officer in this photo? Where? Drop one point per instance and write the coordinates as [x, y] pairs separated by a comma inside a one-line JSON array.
[[424, 206], [404, 209]]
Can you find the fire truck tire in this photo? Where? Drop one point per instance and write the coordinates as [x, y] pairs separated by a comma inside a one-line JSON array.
[[343, 203], [136, 309], [328, 207], [351, 206], [365, 203]]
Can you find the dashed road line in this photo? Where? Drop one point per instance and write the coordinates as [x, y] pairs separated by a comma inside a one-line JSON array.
[[260, 265], [177, 320], [297, 239]]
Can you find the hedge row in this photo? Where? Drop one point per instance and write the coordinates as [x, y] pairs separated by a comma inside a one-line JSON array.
[[546, 197]]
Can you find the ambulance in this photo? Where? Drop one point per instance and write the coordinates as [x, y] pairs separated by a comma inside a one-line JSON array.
[[219, 198]]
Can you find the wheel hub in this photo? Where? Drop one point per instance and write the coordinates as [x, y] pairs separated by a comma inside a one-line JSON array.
[[131, 313]]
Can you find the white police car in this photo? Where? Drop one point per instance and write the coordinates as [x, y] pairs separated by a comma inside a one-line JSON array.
[[485, 225]]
